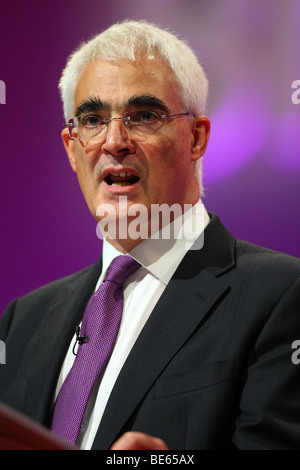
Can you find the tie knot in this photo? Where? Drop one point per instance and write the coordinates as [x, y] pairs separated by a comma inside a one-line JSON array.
[[120, 268]]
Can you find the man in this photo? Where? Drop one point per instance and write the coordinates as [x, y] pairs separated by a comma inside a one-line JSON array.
[[203, 353]]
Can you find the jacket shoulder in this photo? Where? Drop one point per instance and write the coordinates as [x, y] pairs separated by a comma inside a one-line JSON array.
[[69, 283], [29, 307], [266, 260]]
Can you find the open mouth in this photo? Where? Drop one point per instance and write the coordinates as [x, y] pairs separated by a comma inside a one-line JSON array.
[[123, 178]]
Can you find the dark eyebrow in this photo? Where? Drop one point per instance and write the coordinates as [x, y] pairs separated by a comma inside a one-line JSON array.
[[94, 104], [89, 105], [141, 101]]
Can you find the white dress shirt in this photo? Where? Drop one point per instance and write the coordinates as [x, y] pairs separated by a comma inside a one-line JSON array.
[[159, 260]]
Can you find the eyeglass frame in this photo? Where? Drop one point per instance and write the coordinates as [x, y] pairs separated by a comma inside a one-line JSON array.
[[126, 120]]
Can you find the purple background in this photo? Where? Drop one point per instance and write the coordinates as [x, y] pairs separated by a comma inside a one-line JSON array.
[[250, 51]]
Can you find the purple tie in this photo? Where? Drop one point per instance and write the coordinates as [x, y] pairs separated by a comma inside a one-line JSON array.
[[100, 325]]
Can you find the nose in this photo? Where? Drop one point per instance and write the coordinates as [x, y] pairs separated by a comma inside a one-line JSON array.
[[118, 141]]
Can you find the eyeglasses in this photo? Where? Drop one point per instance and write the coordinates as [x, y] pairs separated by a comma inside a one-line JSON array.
[[141, 122]]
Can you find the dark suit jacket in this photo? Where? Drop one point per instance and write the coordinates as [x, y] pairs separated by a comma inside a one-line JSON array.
[[211, 369]]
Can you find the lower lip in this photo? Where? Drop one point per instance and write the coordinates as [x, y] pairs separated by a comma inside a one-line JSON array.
[[121, 189]]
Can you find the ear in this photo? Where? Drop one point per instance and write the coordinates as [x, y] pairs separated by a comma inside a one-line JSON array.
[[200, 136], [69, 145]]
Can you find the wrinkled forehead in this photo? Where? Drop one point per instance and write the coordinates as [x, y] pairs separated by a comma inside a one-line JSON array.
[[117, 84]]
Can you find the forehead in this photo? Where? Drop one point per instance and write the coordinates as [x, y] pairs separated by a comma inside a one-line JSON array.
[[116, 82]]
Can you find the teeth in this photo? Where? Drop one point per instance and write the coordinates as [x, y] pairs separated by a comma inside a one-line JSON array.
[[122, 173], [120, 183]]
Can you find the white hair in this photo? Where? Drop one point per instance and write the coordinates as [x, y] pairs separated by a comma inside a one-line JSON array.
[[132, 40]]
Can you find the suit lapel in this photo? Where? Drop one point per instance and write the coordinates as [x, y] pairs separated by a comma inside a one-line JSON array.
[[182, 308], [54, 335]]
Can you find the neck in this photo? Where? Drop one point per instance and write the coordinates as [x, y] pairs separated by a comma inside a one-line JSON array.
[[124, 246], [154, 228]]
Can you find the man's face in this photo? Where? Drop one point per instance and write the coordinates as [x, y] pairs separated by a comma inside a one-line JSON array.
[[162, 163]]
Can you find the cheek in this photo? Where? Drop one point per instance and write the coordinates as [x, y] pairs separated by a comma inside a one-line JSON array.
[[83, 156], [174, 161], [85, 162], [85, 174], [168, 170], [159, 154]]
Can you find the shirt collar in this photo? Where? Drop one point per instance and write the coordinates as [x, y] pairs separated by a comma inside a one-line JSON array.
[[162, 254]]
